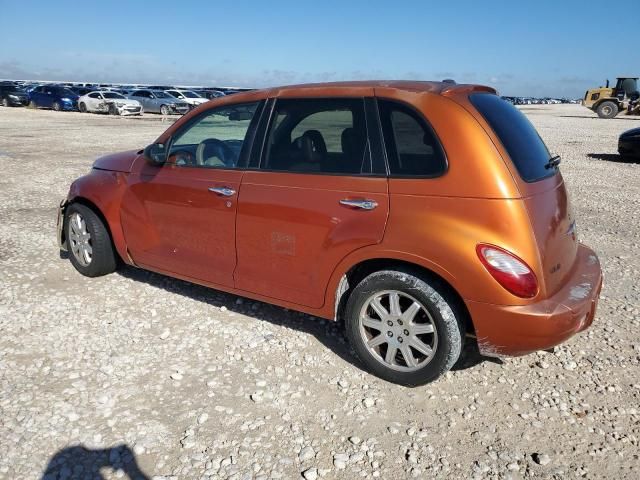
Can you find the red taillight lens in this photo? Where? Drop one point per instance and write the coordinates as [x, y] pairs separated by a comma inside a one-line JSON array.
[[508, 270]]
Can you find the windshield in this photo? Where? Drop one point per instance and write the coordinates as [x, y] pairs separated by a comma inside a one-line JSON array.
[[112, 95], [13, 88], [190, 94], [162, 95], [521, 140]]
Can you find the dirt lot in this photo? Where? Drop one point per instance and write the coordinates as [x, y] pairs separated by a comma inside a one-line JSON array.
[[139, 374]]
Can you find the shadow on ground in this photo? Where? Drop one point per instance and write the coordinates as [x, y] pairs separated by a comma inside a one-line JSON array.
[[612, 157], [330, 334], [80, 462]]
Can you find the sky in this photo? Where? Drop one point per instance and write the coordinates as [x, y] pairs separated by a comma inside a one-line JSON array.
[[526, 48]]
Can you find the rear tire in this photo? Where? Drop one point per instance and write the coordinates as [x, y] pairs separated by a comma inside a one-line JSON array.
[[82, 107], [415, 337], [90, 248], [607, 109]]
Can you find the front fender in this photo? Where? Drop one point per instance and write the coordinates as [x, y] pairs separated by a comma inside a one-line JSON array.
[[103, 190]]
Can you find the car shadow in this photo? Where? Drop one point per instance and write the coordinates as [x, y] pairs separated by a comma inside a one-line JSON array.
[[330, 334], [631, 118], [81, 462], [613, 157]]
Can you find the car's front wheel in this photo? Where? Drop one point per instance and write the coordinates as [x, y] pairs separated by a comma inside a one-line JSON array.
[[88, 241], [164, 110], [82, 107], [5, 102], [56, 106], [405, 328]]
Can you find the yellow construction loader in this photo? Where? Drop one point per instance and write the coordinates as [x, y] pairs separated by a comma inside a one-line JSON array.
[[607, 102]]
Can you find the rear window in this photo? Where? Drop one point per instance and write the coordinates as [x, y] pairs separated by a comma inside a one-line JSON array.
[[521, 140]]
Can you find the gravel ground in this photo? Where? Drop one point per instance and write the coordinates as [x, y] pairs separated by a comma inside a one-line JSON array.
[[142, 375]]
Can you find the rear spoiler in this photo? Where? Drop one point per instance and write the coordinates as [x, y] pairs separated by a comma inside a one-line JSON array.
[[466, 88]]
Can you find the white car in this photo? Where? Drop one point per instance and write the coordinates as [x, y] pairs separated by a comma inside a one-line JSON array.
[[187, 96], [109, 102]]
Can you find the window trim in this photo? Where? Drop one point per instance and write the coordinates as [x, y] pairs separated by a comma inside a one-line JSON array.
[[245, 151], [270, 119], [415, 113]]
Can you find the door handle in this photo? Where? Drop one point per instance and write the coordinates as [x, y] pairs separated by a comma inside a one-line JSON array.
[[361, 204], [224, 191]]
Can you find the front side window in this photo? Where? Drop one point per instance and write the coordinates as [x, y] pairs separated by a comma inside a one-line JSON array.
[[215, 139], [413, 150], [318, 136], [94, 95]]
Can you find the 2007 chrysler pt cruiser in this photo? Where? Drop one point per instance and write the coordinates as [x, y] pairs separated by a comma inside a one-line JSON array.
[[422, 214]]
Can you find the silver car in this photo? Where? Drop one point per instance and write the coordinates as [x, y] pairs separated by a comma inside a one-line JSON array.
[[159, 102]]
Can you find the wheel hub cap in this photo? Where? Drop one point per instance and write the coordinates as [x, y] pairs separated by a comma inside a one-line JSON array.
[[80, 240]]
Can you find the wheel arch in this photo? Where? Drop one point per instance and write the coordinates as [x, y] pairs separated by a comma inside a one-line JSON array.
[[361, 269]]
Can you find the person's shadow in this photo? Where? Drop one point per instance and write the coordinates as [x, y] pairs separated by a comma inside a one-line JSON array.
[[79, 462]]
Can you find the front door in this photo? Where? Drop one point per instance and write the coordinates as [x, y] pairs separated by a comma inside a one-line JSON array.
[[180, 217], [314, 200]]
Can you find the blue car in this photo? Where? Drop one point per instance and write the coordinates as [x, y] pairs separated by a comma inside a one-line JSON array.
[[53, 96]]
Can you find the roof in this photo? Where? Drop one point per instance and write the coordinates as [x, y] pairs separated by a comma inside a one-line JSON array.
[[438, 88]]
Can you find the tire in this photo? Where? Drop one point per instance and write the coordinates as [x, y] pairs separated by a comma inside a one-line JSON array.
[[437, 310], [607, 109], [32, 104], [56, 106], [82, 107], [113, 110], [91, 232], [164, 110], [5, 102]]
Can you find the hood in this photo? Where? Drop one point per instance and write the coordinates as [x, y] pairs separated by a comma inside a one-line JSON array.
[[121, 102], [117, 162], [634, 132]]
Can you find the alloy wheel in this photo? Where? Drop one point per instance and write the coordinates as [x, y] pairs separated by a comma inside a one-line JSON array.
[[80, 239], [398, 330]]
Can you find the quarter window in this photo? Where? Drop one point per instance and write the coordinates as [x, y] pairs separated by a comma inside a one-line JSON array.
[[318, 136], [412, 147], [215, 139]]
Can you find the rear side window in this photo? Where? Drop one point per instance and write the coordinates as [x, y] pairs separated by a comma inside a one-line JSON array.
[[318, 136], [528, 152], [413, 150]]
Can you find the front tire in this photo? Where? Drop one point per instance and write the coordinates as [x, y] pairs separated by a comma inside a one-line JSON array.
[[5, 102], [89, 243], [404, 328], [607, 109], [56, 106], [32, 104], [164, 110], [82, 107]]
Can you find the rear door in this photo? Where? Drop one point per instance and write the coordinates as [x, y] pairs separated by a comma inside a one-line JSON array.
[[318, 195], [181, 217]]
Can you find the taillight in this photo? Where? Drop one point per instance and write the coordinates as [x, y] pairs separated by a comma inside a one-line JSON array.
[[508, 270]]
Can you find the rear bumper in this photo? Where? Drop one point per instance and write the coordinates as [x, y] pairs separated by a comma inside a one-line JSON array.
[[522, 329]]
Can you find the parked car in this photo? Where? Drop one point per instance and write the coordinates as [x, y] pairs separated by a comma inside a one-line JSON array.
[[12, 95], [53, 96], [80, 91], [159, 102], [629, 143], [422, 214], [187, 96], [109, 102], [209, 94]]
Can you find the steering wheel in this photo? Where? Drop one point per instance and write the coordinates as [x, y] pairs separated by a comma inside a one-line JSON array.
[[215, 153]]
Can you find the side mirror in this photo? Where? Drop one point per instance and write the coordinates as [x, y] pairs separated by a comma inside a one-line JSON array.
[[155, 154]]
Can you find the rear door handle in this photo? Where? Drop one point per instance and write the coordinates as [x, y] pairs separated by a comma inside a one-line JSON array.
[[224, 191], [361, 204]]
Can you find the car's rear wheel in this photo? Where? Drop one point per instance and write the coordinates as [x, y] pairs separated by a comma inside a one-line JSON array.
[[607, 109], [404, 328], [82, 107], [164, 110], [56, 106], [89, 242]]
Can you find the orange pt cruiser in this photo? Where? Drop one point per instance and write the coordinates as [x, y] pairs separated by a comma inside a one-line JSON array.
[[422, 214]]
